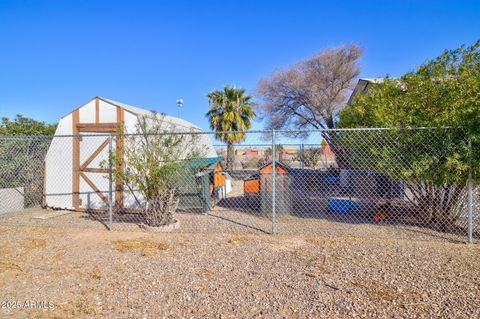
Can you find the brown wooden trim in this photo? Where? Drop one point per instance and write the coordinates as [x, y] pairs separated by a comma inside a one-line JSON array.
[[75, 161], [97, 130], [94, 154], [95, 188], [97, 110], [94, 170], [97, 126], [119, 145]]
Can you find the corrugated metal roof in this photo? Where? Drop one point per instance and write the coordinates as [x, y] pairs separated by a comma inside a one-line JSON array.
[[205, 162], [178, 122]]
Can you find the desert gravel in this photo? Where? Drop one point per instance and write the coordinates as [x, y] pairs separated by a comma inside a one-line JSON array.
[[101, 274]]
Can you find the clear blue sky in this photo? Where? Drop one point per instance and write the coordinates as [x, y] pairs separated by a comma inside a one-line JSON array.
[[54, 56]]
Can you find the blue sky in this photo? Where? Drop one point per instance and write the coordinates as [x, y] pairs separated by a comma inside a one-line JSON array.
[[55, 56]]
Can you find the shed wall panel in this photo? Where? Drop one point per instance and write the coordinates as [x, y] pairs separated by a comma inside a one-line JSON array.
[[58, 167], [87, 112], [108, 112]]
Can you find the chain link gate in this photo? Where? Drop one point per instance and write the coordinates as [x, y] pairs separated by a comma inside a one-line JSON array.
[[352, 181]]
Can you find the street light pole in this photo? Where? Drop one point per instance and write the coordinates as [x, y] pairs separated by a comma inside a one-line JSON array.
[[179, 104]]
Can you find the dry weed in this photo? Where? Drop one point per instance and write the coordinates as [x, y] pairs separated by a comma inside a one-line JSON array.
[[34, 243], [95, 273], [6, 265], [322, 242], [144, 247], [237, 239], [376, 291]]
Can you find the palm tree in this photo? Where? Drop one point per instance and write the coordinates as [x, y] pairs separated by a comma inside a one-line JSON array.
[[230, 110]]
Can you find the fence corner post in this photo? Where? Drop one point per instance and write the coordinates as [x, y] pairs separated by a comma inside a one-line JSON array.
[[110, 181], [274, 187], [470, 196]]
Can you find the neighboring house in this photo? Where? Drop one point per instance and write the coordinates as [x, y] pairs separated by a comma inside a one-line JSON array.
[[74, 178], [363, 86], [327, 151]]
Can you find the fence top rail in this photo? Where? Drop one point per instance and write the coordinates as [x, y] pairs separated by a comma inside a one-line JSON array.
[[24, 137]]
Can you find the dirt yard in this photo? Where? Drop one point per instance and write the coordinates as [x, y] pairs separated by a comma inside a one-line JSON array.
[[95, 273]]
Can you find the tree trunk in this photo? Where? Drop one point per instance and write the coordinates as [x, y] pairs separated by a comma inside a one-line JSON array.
[[230, 156], [339, 150], [160, 208], [438, 205]]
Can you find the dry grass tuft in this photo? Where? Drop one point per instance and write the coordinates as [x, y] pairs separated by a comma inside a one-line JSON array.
[[144, 247], [95, 273], [376, 291], [237, 239], [82, 307], [34, 243], [318, 241], [42, 230], [6, 265]]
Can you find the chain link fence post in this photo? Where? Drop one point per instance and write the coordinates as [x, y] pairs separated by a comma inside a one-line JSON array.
[[470, 195], [302, 155], [110, 181], [274, 187]]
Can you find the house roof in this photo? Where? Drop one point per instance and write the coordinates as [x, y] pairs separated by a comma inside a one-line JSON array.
[[288, 168], [252, 177], [178, 122], [204, 162], [257, 174], [175, 121], [363, 85]]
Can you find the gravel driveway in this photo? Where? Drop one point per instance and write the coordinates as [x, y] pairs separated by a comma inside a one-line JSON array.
[[95, 274]]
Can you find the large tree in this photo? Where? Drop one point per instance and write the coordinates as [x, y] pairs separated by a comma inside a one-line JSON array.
[[21, 125], [309, 93], [230, 110], [433, 163]]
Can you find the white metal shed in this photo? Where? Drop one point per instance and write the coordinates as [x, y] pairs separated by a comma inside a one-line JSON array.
[[73, 176]]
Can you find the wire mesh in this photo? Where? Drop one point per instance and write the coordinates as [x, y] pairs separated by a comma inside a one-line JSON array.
[[322, 181]]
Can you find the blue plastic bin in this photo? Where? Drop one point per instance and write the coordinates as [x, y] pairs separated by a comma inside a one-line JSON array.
[[342, 205]]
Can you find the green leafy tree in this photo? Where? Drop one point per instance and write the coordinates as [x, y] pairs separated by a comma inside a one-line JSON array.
[[230, 110], [154, 166], [433, 163], [22, 159], [25, 126]]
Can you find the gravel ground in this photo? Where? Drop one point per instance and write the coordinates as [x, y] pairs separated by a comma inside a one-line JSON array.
[[89, 273]]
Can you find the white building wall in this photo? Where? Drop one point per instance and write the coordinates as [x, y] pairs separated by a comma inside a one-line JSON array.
[[58, 167], [87, 113], [108, 112]]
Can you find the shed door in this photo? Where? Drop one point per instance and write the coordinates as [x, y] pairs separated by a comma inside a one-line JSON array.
[[90, 183], [92, 180]]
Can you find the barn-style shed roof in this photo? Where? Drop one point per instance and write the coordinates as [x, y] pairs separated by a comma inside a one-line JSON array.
[[178, 123]]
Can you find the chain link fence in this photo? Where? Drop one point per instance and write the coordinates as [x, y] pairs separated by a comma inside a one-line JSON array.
[[368, 181]]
